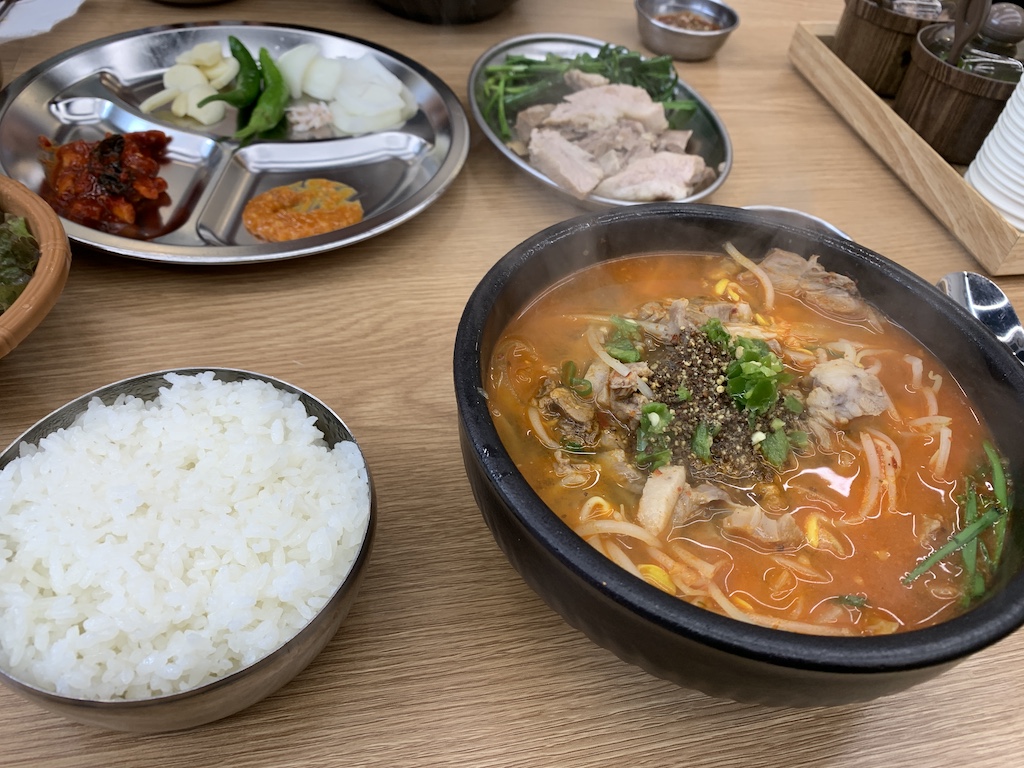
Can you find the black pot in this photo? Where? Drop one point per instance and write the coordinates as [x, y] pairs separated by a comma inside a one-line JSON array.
[[665, 635], [445, 11]]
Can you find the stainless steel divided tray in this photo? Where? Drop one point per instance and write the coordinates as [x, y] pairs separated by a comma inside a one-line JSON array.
[[97, 88]]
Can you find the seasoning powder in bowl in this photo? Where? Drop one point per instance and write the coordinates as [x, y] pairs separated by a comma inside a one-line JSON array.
[[152, 547]]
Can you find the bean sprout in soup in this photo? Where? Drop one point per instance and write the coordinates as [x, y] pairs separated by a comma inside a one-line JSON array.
[[754, 438]]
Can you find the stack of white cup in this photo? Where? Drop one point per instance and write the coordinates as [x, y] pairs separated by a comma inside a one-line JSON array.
[[997, 171]]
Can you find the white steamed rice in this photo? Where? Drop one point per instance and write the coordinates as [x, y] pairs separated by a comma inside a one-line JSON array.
[[154, 546]]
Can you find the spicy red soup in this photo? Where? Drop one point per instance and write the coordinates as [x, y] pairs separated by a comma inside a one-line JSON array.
[[753, 438]]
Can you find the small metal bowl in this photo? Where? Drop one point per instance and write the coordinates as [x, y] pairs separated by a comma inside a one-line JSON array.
[[677, 42], [229, 694]]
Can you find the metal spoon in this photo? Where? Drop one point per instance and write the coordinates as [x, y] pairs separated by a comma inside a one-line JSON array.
[[987, 302]]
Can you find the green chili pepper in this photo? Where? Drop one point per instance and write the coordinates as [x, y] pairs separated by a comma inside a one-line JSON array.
[[247, 81], [269, 109]]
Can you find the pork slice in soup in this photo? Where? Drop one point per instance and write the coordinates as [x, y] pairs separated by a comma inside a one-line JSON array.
[[755, 439]]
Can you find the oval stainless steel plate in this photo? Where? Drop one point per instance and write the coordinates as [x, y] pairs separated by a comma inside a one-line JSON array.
[[96, 88], [710, 139]]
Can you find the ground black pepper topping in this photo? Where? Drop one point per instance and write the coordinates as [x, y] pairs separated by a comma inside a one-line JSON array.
[[698, 365]]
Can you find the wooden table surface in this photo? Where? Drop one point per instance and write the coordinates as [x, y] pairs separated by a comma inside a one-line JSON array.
[[447, 658]]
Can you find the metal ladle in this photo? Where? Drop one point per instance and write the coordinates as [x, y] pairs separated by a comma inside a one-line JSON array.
[[987, 302]]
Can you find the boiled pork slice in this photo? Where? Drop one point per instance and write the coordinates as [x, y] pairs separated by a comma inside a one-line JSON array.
[[755, 524], [578, 80], [529, 119], [659, 497], [616, 146], [563, 162], [597, 108], [842, 391], [661, 176], [673, 141], [806, 279]]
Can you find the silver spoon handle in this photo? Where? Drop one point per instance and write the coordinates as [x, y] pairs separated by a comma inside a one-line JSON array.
[[987, 302]]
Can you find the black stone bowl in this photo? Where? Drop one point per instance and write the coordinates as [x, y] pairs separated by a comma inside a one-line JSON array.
[[665, 635], [445, 11]]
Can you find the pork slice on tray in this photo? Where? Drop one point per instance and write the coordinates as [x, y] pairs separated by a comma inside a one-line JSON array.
[[660, 176], [565, 163], [601, 107], [530, 119], [618, 145]]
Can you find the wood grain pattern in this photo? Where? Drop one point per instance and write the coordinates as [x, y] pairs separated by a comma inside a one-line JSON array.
[[993, 241], [875, 44], [447, 658]]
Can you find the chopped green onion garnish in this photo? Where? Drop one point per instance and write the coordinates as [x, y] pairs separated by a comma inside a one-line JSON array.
[[961, 539]]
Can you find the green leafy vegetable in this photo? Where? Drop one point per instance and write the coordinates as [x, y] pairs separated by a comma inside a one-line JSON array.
[[793, 405], [754, 376], [701, 442], [775, 447], [754, 373], [716, 332], [522, 81], [652, 448], [797, 438], [19, 255], [624, 342]]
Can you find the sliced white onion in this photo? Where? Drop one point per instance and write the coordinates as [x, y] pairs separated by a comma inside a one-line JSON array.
[[368, 68], [293, 64], [322, 77], [357, 125]]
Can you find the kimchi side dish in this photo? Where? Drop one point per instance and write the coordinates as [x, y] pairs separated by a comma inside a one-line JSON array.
[[754, 438]]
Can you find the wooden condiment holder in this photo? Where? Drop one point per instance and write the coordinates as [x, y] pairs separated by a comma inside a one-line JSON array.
[[876, 43], [950, 108]]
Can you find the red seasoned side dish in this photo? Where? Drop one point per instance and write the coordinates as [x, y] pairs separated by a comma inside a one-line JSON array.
[[689, 20], [106, 184]]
